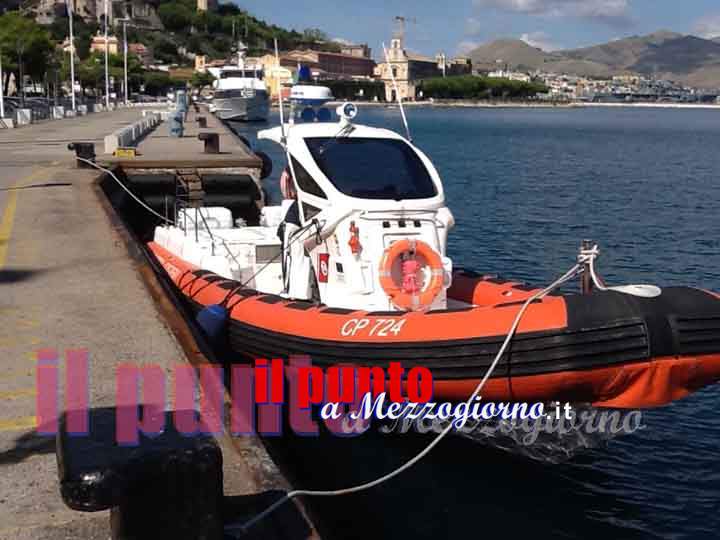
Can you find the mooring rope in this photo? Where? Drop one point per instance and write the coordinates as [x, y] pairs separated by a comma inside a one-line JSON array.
[[127, 190], [243, 528], [586, 257]]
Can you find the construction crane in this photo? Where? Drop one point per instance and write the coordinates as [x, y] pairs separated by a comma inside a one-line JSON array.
[[400, 26]]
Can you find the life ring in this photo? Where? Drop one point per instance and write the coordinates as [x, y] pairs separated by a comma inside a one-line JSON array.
[[402, 296]]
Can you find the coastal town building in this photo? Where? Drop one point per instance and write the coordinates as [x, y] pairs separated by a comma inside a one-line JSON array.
[[362, 50], [98, 44], [207, 5], [143, 12], [203, 64], [45, 11], [512, 75], [65, 46], [277, 76], [330, 65], [408, 69], [622, 88], [142, 52]]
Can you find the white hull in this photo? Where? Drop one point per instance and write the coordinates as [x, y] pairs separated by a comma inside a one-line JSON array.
[[248, 109]]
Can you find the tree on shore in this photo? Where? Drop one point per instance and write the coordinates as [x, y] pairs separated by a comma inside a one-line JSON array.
[[176, 17], [474, 87], [25, 47], [201, 80], [90, 72], [83, 32], [28, 47], [158, 83]]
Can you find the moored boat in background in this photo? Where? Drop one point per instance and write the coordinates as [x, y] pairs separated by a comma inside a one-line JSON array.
[[240, 93]]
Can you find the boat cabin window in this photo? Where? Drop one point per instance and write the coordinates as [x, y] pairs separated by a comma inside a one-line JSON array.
[[372, 168], [242, 73], [309, 211], [306, 182]]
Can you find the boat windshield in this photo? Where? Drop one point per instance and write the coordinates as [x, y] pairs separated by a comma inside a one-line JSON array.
[[372, 168], [241, 73]]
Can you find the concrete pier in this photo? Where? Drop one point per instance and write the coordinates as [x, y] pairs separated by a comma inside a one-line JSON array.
[[69, 283], [161, 151]]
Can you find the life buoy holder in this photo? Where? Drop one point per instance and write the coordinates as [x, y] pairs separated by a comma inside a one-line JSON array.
[[400, 296]]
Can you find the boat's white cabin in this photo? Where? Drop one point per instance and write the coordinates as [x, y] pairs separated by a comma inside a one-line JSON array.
[[360, 190], [245, 75]]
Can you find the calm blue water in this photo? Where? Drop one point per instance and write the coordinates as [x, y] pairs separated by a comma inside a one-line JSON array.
[[525, 187]]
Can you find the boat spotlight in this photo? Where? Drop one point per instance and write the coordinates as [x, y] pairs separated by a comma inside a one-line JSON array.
[[347, 111]]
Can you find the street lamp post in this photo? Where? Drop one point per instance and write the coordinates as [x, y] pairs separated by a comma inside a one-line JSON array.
[[107, 61], [70, 10], [124, 22], [21, 70], [2, 91], [57, 83], [125, 51]]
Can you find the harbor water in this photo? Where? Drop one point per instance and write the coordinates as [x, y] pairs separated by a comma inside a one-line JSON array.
[[526, 186]]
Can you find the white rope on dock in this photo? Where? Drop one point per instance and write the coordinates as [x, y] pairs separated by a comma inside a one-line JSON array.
[[127, 190]]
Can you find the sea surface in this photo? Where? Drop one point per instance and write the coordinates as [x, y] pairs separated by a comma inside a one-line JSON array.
[[526, 186]]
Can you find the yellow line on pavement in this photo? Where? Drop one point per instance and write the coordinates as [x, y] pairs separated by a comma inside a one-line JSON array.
[[6, 226], [8, 218], [17, 394], [18, 424], [17, 373]]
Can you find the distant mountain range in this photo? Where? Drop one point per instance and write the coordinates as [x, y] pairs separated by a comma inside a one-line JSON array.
[[667, 55]]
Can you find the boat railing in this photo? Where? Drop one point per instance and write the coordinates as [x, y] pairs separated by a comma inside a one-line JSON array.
[[185, 205], [182, 204]]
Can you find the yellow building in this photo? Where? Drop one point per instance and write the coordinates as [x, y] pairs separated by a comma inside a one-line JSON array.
[[275, 73], [207, 5], [98, 44]]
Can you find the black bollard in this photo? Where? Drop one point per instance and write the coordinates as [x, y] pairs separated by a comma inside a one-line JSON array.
[[166, 486], [84, 150], [202, 121], [174, 494], [212, 142]]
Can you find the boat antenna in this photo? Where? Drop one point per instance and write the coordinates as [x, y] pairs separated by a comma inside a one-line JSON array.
[[282, 121], [397, 93], [280, 97]]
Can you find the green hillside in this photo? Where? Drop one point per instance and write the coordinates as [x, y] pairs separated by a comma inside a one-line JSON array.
[[216, 33], [172, 29]]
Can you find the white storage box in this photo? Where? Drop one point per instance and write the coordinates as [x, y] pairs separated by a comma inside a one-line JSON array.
[[216, 217], [272, 216]]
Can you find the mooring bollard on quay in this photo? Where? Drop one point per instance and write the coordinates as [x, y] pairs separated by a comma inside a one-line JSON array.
[[168, 486], [211, 142], [85, 151]]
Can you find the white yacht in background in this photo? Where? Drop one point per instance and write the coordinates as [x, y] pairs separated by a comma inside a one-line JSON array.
[[240, 92]]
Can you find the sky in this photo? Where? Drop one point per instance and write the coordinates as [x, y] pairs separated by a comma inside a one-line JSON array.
[[456, 26]]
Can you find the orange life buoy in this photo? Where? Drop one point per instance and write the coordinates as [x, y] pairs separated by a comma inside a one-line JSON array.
[[411, 300]]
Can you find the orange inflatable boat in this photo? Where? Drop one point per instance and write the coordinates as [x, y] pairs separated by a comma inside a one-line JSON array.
[[605, 348], [352, 267]]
